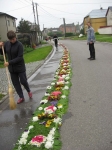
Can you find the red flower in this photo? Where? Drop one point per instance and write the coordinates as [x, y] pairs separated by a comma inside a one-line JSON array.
[[56, 93], [38, 139]]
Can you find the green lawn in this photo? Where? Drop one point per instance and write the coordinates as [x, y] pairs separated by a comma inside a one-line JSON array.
[[38, 54], [34, 55], [104, 38], [1, 96], [1, 65], [100, 38]]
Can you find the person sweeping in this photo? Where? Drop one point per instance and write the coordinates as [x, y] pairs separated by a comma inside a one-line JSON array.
[[16, 65]]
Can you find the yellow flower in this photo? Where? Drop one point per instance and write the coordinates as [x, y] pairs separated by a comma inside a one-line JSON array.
[[48, 123]]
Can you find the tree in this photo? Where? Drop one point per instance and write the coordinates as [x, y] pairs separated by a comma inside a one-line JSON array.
[[82, 31], [23, 26], [59, 34]]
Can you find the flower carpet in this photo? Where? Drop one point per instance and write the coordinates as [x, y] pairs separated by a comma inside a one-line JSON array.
[[43, 131]]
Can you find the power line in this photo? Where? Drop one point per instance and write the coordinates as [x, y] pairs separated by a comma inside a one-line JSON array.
[[73, 3], [62, 11], [48, 12], [23, 2], [18, 1], [18, 8], [27, 1]]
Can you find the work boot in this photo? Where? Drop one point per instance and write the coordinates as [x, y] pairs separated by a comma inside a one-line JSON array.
[[20, 100], [30, 94], [92, 58]]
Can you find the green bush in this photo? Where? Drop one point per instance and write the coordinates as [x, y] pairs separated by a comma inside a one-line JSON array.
[[1, 58], [69, 34], [27, 49], [97, 33]]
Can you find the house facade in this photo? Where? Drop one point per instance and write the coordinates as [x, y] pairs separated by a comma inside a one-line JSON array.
[[108, 28], [7, 22], [109, 16], [70, 28], [97, 18]]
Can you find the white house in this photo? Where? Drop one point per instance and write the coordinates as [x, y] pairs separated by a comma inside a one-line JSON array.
[[107, 29], [109, 16], [7, 22]]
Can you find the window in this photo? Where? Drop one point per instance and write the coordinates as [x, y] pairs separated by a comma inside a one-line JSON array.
[[13, 23], [8, 22]]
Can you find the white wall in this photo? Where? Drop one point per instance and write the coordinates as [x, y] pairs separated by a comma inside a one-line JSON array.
[[106, 30], [4, 27], [109, 18]]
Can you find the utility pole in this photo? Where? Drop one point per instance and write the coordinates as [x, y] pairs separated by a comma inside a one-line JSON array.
[[38, 22], [34, 21], [64, 25]]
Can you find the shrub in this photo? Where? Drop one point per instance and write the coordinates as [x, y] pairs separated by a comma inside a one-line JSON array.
[[97, 33], [69, 34]]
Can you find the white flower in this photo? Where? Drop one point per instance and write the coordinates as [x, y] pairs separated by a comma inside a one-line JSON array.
[[22, 141], [67, 78], [47, 94], [60, 106], [30, 127], [40, 108], [48, 144], [65, 64], [56, 76], [66, 87], [48, 87], [66, 82], [44, 101], [63, 76], [57, 73], [50, 137], [25, 135], [68, 75], [35, 118], [19, 148], [53, 130], [63, 96], [55, 108], [53, 83], [57, 120]]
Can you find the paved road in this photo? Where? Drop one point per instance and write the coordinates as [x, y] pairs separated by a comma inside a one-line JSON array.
[[88, 123]]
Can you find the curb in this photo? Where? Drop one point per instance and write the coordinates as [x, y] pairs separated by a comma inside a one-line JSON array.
[[6, 96]]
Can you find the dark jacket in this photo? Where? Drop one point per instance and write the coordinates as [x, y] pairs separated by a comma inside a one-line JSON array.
[[55, 38], [15, 57]]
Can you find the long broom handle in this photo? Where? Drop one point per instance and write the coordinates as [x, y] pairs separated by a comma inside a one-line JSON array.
[[6, 67]]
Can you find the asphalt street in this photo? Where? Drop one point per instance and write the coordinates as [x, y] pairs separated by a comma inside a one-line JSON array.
[[88, 123]]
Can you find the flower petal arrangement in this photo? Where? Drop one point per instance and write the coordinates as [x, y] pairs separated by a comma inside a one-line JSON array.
[[42, 132]]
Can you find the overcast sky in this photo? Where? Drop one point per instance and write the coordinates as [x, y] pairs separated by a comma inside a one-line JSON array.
[[51, 12]]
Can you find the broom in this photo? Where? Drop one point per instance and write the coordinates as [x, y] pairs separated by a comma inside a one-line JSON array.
[[12, 103]]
